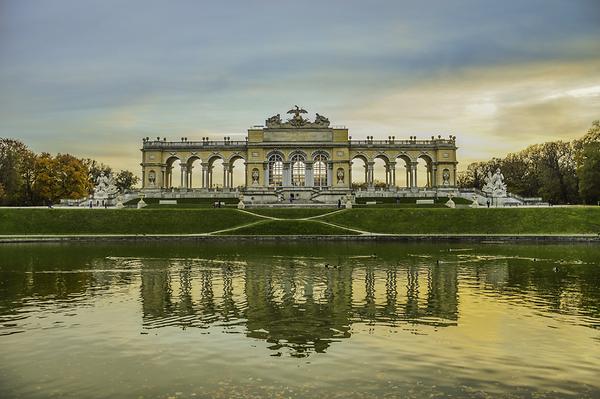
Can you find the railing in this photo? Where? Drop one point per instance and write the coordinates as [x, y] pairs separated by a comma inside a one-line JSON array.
[[195, 144], [400, 142]]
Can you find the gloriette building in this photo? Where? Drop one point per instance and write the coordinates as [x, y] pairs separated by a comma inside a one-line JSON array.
[[304, 159]]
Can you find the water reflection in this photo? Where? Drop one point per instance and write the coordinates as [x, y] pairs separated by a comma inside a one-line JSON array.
[[299, 304]]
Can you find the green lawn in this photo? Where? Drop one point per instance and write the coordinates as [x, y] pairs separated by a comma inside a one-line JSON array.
[[293, 213], [406, 202], [186, 203], [124, 221], [576, 220], [580, 220], [289, 227]]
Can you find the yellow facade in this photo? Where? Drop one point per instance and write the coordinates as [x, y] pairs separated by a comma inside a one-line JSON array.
[[297, 154]]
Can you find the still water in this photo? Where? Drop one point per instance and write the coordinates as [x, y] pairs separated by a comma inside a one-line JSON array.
[[299, 320]]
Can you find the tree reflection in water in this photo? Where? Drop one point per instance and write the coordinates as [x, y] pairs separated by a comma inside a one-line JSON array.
[[297, 304]]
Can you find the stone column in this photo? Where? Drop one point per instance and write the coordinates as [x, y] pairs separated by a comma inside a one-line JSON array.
[[266, 174], [434, 175], [162, 178], [190, 168], [309, 177], [225, 175], [370, 174], [350, 174], [413, 173], [183, 176], [287, 175], [329, 174], [393, 172], [230, 175], [204, 176], [143, 178]]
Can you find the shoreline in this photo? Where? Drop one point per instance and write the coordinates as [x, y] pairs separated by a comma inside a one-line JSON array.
[[481, 238]]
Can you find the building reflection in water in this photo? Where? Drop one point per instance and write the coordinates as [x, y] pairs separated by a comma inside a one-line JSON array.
[[294, 304]]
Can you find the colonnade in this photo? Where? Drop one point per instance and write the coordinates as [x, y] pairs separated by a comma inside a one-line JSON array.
[[207, 176], [390, 174]]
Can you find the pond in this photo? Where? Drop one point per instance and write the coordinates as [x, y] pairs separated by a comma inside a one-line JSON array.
[[299, 320]]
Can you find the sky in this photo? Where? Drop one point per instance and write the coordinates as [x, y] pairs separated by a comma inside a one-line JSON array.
[[91, 78]]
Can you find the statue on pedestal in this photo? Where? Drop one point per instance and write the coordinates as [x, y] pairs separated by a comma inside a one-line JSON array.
[[494, 184], [450, 203], [105, 187]]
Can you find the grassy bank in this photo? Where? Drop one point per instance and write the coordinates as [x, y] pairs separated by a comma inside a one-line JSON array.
[[291, 213], [576, 220], [584, 220], [185, 202], [125, 221], [289, 227]]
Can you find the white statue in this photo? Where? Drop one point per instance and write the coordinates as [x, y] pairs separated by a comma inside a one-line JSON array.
[[494, 184], [450, 203], [475, 203], [105, 187]]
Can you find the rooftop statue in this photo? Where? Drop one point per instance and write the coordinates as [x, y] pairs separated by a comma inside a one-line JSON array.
[[297, 120]]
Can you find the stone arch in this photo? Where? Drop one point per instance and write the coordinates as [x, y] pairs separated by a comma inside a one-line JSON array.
[[275, 161], [192, 165], [235, 173], [316, 153], [320, 168], [359, 171], [171, 163], [381, 174], [403, 170], [214, 169], [298, 168], [298, 152], [424, 171]]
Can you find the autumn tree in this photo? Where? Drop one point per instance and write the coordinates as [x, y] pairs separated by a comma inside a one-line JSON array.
[[15, 163], [63, 176], [125, 180], [588, 164]]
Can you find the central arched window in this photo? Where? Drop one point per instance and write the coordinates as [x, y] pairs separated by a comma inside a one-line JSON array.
[[320, 170], [275, 170], [298, 170]]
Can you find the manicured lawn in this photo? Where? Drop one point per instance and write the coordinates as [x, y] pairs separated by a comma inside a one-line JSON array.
[[289, 227], [575, 220], [294, 213], [186, 203], [579, 220], [404, 201], [124, 221]]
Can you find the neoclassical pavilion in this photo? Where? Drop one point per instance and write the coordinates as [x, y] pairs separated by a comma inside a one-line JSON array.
[[296, 155]]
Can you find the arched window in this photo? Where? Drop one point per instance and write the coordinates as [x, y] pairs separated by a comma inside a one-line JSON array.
[[320, 170], [275, 170], [298, 170]]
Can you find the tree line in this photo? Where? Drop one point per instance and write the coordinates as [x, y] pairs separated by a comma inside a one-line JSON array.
[[27, 178], [559, 172]]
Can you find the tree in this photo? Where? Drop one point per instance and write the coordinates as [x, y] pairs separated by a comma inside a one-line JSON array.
[[588, 164], [63, 176], [125, 180], [589, 174], [15, 162], [473, 176]]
